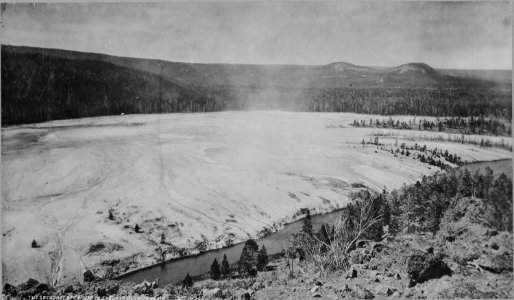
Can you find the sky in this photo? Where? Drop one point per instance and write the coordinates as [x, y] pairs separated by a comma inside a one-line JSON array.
[[461, 35]]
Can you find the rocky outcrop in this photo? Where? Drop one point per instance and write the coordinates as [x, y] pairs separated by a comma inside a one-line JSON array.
[[425, 266]]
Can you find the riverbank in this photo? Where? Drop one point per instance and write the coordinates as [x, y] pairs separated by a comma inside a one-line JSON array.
[[379, 270], [175, 270]]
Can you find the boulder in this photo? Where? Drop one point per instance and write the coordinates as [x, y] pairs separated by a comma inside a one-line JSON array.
[[377, 247], [257, 286], [101, 292], [212, 293], [422, 267], [352, 273], [245, 295], [155, 284], [383, 290], [226, 293], [495, 263], [362, 243], [315, 289], [69, 289], [42, 287], [144, 287], [88, 276], [360, 292], [28, 285], [113, 289], [9, 290]]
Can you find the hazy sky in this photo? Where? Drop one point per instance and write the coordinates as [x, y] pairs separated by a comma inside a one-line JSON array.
[[472, 35]]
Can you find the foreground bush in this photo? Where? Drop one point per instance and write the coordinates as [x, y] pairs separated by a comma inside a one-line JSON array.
[[329, 250]]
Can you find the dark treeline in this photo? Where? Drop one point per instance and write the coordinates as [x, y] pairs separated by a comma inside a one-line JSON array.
[[420, 207], [471, 125], [37, 88]]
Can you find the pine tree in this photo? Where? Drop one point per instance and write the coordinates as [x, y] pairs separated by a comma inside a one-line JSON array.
[[215, 270], [136, 228], [225, 267], [188, 281], [307, 224], [262, 259], [34, 244], [163, 239], [248, 260], [111, 215]]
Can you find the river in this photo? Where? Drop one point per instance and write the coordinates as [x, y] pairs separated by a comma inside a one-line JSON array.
[[175, 270]]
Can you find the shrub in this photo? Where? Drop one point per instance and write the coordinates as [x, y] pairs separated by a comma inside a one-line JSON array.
[[362, 218], [96, 247]]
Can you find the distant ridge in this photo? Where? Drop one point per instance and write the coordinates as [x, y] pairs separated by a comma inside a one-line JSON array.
[[41, 84], [338, 74]]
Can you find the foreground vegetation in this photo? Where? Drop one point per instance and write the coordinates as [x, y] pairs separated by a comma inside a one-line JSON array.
[[447, 236]]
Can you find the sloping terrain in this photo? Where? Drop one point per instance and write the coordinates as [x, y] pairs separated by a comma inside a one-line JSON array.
[[339, 74], [48, 84]]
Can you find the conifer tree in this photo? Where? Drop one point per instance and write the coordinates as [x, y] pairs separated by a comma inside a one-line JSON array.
[[248, 260], [262, 259], [188, 281], [307, 224], [215, 270], [225, 267]]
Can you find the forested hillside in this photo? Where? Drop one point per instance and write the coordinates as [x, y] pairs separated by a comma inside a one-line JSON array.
[[47, 84]]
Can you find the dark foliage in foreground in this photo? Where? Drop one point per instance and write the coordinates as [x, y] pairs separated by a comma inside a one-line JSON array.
[[420, 207]]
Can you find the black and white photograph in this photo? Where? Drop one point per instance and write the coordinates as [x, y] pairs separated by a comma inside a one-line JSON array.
[[256, 150]]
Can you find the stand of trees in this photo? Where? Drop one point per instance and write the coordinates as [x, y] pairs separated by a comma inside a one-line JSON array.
[[37, 88], [418, 208], [471, 125], [421, 206], [251, 262]]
